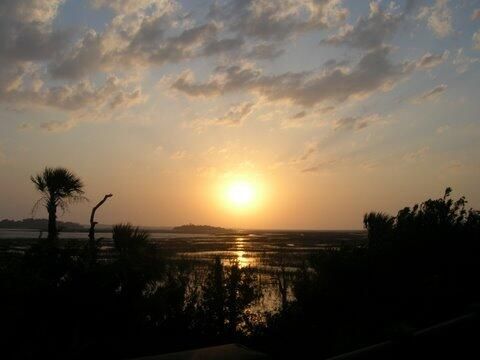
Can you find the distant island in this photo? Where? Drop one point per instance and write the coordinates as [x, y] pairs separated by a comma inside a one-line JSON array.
[[39, 224], [200, 229]]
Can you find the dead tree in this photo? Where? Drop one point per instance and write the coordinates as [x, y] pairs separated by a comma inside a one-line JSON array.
[[91, 232]]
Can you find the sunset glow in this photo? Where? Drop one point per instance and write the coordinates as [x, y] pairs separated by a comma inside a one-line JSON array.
[[236, 113], [241, 193], [189, 178]]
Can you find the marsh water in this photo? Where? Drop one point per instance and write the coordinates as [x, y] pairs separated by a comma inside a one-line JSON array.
[[268, 252], [263, 249]]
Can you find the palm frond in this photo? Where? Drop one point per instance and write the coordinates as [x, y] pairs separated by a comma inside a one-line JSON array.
[[36, 205], [59, 186]]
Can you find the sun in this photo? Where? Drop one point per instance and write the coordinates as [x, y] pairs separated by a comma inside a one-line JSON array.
[[241, 193]]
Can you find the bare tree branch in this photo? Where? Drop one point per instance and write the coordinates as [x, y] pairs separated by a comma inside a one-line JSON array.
[[91, 233]]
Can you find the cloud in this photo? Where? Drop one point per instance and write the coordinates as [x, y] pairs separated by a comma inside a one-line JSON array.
[[476, 40], [26, 32], [224, 45], [443, 129], [321, 166], [26, 37], [310, 149], [299, 115], [357, 122], [368, 32], [85, 58], [57, 126], [430, 94], [25, 126], [178, 155], [264, 52], [154, 32], [295, 121], [128, 6], [462, 62], [416, 155], [374, 72], [235, 116], [476, 15], [29, 43], [83, 101], [140, 35], [429, 61], [137, 43], [277, 19], [438, 17]]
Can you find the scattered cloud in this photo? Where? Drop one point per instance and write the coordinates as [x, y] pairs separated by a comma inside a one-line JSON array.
[[276, 20], [299, 115], [25, 126], [374, 72], [158, 150], [235, 116], [368, 32], [476, 15], [462, 62], [429, 60], [416, 155], [310, 149], [30, 44], [56, 126], [321, 166], [430, 94], [26, 31], [86, 73], [357, 122], [264, 52], [476, 40], [178, 155], [216, 46], [438, 17], [443, 129], [128, 6]]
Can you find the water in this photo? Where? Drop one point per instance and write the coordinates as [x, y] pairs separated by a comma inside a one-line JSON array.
[[269, 252], [263, 249]]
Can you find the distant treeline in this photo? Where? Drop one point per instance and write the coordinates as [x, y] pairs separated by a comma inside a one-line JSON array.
[[200, 229], [38, 224]]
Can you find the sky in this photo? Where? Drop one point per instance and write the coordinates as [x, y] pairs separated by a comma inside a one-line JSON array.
[[322, 109]]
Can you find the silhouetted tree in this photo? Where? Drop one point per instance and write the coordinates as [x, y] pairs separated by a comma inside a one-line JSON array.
[[93, 223], [379, 226], [59, 188], [227, 293]]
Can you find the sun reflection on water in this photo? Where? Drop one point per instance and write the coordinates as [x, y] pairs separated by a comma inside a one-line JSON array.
[[240, 253]]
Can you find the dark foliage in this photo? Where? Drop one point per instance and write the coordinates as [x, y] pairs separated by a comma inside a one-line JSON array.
[[418, 267], [56, 303]]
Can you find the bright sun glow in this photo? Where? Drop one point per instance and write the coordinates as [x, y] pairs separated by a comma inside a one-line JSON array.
[[241, 193]]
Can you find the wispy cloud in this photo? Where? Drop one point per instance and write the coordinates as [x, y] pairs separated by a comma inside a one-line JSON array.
[[235, 116], [462, 62], [429, 61], [430, 94], [357, 123]]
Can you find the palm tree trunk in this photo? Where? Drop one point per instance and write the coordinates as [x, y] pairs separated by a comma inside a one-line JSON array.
[[52, 222]]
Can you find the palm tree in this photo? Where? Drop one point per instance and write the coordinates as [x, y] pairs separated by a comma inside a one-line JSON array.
[[59, 188]]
